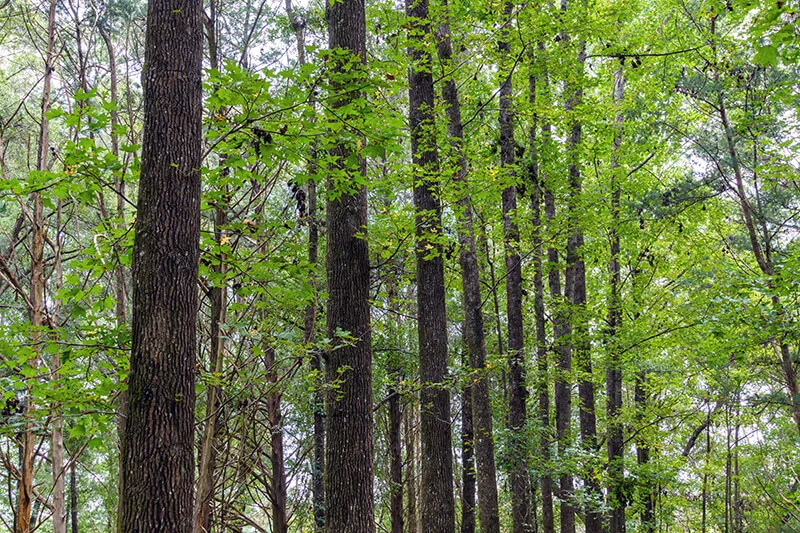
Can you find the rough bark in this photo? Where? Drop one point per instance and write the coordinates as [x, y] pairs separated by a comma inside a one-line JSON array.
[[474, 335], [158, 450], [542, 363], [518, 392], [73, 496], [467, 455], [409, 436], [438, 506], [395, 462], [348, 455], [615, 440], [646, 490]]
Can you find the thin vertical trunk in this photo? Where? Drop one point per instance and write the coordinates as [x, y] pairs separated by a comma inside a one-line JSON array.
[[395, 462], [518, 393], [542, 388], [576, 292], [208, 448], [467, 454], [616, 443], [704, 517], [157, 490], [310, 318], [438, 505], [474, 335], [57, 437], [37, 311], [640, 398], [409, 436], [280, 522], [349, 503], [73, 495]]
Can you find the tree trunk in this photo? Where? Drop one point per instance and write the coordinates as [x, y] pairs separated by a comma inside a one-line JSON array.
[[467, 455], [73, 495], [37, 311], [616, 442], [395, 462], [473, 315], [518, 393], [158, 450], [348, 455], [542, 388], [411, 470], [438, 506], [280, 522], [576, 292], [640, 396]]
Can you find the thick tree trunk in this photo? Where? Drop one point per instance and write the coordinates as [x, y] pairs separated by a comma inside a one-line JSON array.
[[542, 388], [438, 506], [158, 450], [518, 393], [646, 490], [467, 456], [349, 504], [616, 443]]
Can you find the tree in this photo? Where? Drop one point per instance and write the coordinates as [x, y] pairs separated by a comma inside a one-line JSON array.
[[158, 450]]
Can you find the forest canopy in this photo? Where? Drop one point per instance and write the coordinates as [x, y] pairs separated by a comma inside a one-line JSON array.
[[421, 267]]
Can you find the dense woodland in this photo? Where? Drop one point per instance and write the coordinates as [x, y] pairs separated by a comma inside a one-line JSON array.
[[357, 267]]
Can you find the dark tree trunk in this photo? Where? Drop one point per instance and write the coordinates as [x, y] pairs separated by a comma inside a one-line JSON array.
[[475, 340], [438, 506], [616, 443], [395, 462], [349, 504], [518, 393], [73, 496], [158, 450], [409, 436], [542, 388], [576, 292], [280, 522], [467, 454], [646, 491]]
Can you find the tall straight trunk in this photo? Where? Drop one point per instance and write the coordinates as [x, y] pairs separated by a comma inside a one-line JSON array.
[[349, 503], [57, 436], [409, 436], [438, 505], [395, 462], [310, 318], [616, 442], [73, 495], [208, 448], [646, 496], [474, 335], [37, 311], [467, 454], [542, 387], [158, 450], [278, 487], [120, 291], [518, 393], [576, 292]]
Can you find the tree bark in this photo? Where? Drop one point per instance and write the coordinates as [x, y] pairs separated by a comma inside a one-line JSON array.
[[280, 522], [409, 436], [73, 496], [438, 506], [542, 388], [615, 442], [158, 450], [640, 397], [474, 335], [518, 392], [349, 504], [395, 462]]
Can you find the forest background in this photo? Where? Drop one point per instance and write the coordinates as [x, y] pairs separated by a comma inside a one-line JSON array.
[[593, 212]]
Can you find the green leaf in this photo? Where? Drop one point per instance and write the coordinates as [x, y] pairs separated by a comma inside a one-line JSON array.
[[767, 56]]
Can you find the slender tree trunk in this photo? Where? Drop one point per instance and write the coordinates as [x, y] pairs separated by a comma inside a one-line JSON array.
[[73, 495], [158, 451], [542, 388], [349, 504], [467, 454], [37, 311], [57, 440], [518, 393], [208, 448], [280, 522], [395, 462], [616, 443], [310, 319], [640, 397], [409, 435], [438, 506], [576, 292], [475, 340]]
